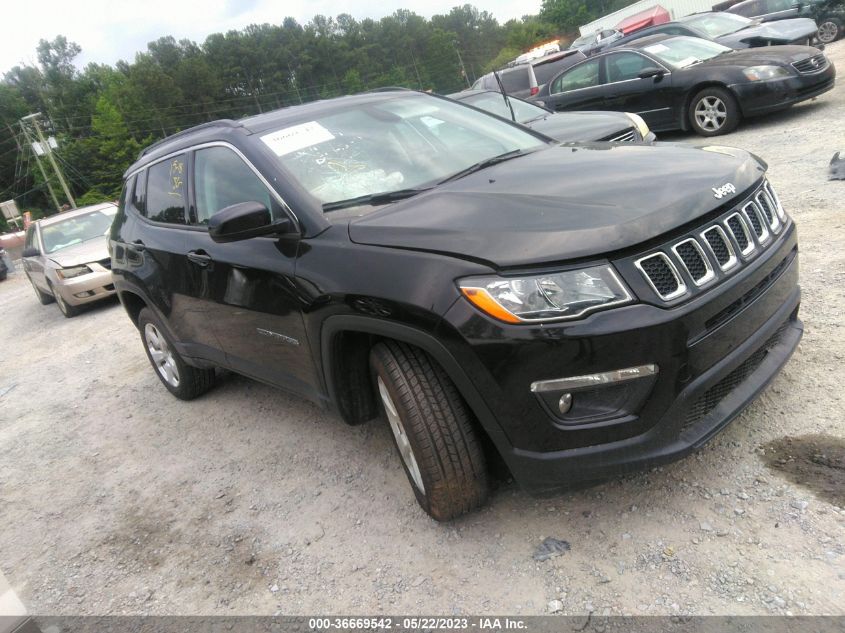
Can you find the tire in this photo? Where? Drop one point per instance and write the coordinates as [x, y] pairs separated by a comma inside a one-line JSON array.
[[43, 297], [714, 111], [432, 430], [830, 30], [65, 308], [179, 378]]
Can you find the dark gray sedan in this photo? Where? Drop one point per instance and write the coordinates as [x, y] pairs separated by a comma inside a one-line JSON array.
[[733, 31], [569, 127]]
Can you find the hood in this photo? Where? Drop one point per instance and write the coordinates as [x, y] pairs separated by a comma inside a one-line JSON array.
[[562, 203], [765, 55], [577, 127], [777, 32], [77, 254]]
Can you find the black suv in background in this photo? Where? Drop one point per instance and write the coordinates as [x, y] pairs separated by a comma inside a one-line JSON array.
[[575, 311]]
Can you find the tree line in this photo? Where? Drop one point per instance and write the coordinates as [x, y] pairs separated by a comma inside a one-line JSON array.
[[103, 115]]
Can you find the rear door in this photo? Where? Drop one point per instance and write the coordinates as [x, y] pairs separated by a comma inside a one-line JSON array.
[[246, 290], [578, 88], [625, 91]]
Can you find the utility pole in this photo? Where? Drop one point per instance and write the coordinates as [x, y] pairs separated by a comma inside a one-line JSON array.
[[40, 166], [49, 150], [463, 68]]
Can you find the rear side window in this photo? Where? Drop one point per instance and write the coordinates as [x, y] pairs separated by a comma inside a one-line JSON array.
[[125, 194], [139, 193], [584, 76], [516, 79], [222, 179], [747, 9], [166, 191]]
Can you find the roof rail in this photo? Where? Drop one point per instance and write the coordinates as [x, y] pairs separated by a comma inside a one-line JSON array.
[[202, 126], [390, 89]]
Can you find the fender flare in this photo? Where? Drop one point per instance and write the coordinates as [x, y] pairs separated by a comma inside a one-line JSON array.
[[428, 343]]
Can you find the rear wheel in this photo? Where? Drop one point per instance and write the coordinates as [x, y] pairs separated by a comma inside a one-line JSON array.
[[432, 430], [714, 111], [180, 379], [830, 30]]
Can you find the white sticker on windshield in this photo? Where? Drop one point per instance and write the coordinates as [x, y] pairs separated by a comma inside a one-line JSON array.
[[656, 48], [297, 137], [688, 61]]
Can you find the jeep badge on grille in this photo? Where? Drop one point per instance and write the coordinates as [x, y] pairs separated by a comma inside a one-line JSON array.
[[723, 191]]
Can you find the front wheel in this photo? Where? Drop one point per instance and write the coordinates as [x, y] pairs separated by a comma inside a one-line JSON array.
[[432, 430], [65, 308], [714, 111], [180, 379], [830, 30], [43, 297]]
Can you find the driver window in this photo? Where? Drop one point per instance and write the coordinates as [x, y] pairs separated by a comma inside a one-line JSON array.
[[625, 66], [222, 179], [585, 75]]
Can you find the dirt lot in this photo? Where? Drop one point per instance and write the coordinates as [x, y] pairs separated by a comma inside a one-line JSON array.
[[116, 498]]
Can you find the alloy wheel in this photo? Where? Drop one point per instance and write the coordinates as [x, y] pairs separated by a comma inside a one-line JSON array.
[[402, 441], [711, 114], [161, 355], [828, 32]]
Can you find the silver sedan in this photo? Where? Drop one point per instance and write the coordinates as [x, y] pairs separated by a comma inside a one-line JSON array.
[[66, 257]]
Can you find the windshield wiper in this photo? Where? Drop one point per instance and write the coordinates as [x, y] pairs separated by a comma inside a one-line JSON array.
[[373, 199], [483, 165]]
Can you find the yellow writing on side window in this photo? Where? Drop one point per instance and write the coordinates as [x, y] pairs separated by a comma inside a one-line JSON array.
[[177, 167]]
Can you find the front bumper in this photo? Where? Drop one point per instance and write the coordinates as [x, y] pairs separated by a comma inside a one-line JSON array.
[[696, 415], [707, 373], [762, 97], [88, 288]]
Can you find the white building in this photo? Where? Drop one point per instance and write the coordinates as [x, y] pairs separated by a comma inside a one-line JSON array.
[[676, 8]]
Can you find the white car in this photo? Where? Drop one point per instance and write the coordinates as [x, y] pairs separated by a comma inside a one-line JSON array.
[[66, 257]]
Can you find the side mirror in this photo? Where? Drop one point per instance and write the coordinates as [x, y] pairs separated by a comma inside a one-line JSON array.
[[30, 252], [645, 73], [244, 220]]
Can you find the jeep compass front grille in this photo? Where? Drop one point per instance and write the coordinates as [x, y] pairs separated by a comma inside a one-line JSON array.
[[716, 249]]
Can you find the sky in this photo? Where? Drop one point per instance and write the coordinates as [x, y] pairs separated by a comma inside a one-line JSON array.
[[110, 31]]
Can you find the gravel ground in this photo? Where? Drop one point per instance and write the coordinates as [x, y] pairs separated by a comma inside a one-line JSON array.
[[115, 498]]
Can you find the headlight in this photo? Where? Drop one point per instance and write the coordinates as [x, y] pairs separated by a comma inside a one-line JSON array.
[[639, 123], [76, 271], [556, 296], [761, 73]]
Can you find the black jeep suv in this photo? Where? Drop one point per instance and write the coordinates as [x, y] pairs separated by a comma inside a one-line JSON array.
[[577, 310]]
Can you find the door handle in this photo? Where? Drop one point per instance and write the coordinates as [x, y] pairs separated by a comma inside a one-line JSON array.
[[200, 258]]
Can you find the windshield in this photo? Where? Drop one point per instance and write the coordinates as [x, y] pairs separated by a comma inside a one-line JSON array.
[[718, 24], [405, 142], [75, 230], [493, 102], [584, 39], [681, 52]]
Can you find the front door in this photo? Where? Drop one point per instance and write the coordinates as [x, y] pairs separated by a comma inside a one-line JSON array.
[[625, 91], [248, 288]]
